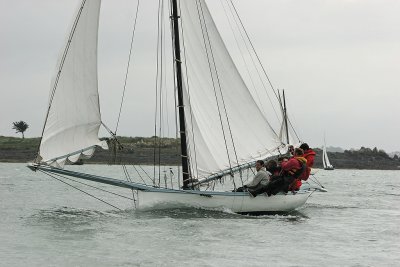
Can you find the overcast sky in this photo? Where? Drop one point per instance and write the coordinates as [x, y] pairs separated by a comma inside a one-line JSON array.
[[338, 61]]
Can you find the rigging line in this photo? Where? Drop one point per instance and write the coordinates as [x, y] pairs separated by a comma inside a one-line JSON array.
[[64, 56], [220, 87], [139, 174], [220, 91], [109, 130], [212, 78], [127, 68], [194, 168], [291, 125], [242, 54], [175, 93], [161, 75], [146, 173], [254, 50], [128, 178], [157, 75], [100, 189], [254, 64], [316, 181], [175, 89], [105, 202], [164, 82], [163, 90]]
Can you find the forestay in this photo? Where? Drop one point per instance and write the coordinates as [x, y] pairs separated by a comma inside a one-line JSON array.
[[73, 119], [225, 126]]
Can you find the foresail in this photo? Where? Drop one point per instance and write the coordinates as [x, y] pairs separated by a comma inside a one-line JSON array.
[[73, 119], [225, 126]]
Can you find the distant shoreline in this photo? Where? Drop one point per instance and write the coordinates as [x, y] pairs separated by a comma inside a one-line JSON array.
[[140, 151]]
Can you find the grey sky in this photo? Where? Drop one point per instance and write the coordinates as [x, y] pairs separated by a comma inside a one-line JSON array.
[[337, 60]]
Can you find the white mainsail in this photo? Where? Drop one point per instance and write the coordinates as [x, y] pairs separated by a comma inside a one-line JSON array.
[[225, 125], [73, 120]]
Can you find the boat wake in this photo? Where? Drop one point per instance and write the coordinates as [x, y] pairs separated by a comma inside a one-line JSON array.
[[330, 206], [67, 215]]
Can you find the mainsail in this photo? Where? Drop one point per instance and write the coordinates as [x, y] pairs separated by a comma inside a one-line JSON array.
[[225, 125], [73, 119]]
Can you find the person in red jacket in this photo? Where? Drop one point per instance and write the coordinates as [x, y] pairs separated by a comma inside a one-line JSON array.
[[292, 169], [309, 155]]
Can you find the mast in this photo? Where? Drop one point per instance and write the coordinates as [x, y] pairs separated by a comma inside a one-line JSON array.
[[285, 114], [181, 107]]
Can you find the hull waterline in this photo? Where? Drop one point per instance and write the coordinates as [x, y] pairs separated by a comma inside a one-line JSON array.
[[238, 203]]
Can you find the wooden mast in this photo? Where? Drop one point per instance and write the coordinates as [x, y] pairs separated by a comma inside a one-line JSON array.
[[181, 108]]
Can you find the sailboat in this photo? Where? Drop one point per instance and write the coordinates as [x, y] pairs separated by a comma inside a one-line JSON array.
[[325, 160], [222, 129]]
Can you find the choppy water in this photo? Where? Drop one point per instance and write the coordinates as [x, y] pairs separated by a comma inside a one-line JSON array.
[[45, 223]]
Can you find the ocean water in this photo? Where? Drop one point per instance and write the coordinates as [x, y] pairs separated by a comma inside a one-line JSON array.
[[46, 223]]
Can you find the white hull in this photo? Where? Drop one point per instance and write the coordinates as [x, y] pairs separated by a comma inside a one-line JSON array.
[[236, 202], [163, 198]]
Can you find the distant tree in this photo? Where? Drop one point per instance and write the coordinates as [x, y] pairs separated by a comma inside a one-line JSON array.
[[395, 156], [20, 127]]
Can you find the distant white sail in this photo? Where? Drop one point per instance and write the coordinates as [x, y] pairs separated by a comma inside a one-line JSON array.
[[73, 121], [224, 123], [325, 159]]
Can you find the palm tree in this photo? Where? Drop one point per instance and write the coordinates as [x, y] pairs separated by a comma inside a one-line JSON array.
[[20, 127]]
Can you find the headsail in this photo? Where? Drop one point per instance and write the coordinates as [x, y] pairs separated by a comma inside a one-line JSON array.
[[225, 125], [73, 119]]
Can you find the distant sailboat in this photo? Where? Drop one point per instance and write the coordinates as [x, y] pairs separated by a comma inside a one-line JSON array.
[[222, 134], [325, 159]]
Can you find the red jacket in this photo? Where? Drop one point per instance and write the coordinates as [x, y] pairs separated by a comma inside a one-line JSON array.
[[292, 163], [291, 166], [309, 155]]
